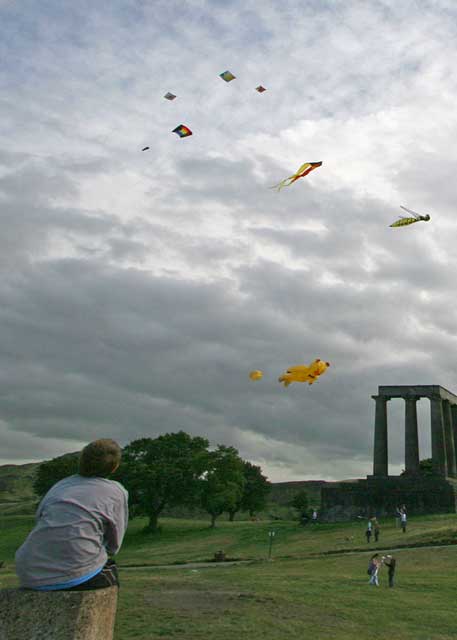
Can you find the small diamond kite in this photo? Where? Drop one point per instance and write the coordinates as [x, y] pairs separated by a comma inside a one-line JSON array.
[[260, 89], [227, 76], [169, 96], [182, 131], [145, 149]]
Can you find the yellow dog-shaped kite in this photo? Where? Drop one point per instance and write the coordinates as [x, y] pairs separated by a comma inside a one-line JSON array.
[[304, 373]]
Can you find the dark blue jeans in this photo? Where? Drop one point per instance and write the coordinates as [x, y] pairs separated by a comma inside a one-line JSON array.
[[108, 577]]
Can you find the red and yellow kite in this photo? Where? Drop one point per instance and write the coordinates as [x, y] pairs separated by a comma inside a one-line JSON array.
[[300, 173]]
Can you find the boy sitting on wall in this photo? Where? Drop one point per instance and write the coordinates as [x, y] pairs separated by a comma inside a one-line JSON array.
[[80, 520]]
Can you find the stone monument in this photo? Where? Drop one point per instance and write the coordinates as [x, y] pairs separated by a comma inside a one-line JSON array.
[[381, 493]]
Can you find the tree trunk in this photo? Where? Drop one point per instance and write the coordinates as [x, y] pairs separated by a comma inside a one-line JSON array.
[[232, 516], [153, 522], [213, 520]]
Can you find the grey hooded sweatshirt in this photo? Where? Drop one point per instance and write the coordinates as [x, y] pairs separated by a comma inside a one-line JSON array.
[[78, 521]]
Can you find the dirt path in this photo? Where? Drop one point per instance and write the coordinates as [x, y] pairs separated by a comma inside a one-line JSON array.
[[188, 565], [311, 556]]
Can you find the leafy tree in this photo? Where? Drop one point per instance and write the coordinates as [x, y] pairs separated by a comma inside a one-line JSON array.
[[52, 471], [256, 489], [425, 468], [300, 503], [162, 472], [223, 482]]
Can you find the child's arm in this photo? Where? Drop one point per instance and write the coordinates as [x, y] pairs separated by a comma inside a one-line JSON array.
[[117, 525]]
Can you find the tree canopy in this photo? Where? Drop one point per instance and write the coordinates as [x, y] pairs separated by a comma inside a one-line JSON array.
[[223, 482], [162, 472]]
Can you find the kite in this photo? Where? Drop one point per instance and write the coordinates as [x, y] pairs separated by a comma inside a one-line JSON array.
[[304, 373], [260, 89], [300, 173], [227, 76], [182, 131], [145, 149], [169, 96], [256, 375], [404, 220]]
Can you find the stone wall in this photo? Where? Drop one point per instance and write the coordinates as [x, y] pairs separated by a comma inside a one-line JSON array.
[[58, 615], [380, 497]]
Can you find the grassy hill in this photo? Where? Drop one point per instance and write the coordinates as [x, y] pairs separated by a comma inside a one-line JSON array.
[[16, 482], [315, 586], [17, 496]]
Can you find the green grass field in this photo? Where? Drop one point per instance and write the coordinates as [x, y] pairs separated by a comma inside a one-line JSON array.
[[316, 584]]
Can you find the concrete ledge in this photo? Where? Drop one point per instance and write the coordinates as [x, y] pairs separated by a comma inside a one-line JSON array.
[[58, 615]]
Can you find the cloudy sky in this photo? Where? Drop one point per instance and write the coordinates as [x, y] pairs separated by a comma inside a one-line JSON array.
[[138, 289]]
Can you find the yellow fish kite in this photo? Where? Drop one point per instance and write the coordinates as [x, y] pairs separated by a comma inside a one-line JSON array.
[[256, 375], [300, 173], [304, 373]]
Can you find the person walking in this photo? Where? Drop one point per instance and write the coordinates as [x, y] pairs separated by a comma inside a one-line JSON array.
[[390, 563], [314, 517], [368, 531], [373, 569], [376, 529], [403, 521]]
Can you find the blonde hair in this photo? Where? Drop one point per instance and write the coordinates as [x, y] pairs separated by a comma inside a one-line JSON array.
[[99, 458]]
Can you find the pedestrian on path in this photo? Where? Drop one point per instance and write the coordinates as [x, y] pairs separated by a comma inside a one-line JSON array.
[[403, 521], [368, 531], [376, 529]]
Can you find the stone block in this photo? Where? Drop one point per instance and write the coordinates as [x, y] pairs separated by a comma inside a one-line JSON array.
[[58, 615]]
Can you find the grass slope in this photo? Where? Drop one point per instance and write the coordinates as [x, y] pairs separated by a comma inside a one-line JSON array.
[[299, 594]]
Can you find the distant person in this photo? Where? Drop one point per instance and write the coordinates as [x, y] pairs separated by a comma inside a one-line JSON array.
[[373, 569], [376, 529], [314, 517], [390, 563], [79, 521], [368, 531], [403, 521], [397, 517]]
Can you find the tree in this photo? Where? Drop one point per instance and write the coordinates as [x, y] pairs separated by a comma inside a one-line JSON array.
[[425, 468], [223, 482], [256, 488], [300, 503], [163, 472], [52, 471]]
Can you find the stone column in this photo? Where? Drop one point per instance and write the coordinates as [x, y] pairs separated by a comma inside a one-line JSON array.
[[411, 436], [449, 439], [439, 458], [380, 457], [454, 427]]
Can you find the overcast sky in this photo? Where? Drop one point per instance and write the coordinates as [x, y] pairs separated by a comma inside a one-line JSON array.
[[138, 289]]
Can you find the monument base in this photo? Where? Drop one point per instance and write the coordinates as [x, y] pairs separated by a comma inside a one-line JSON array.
[[381, 496]]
